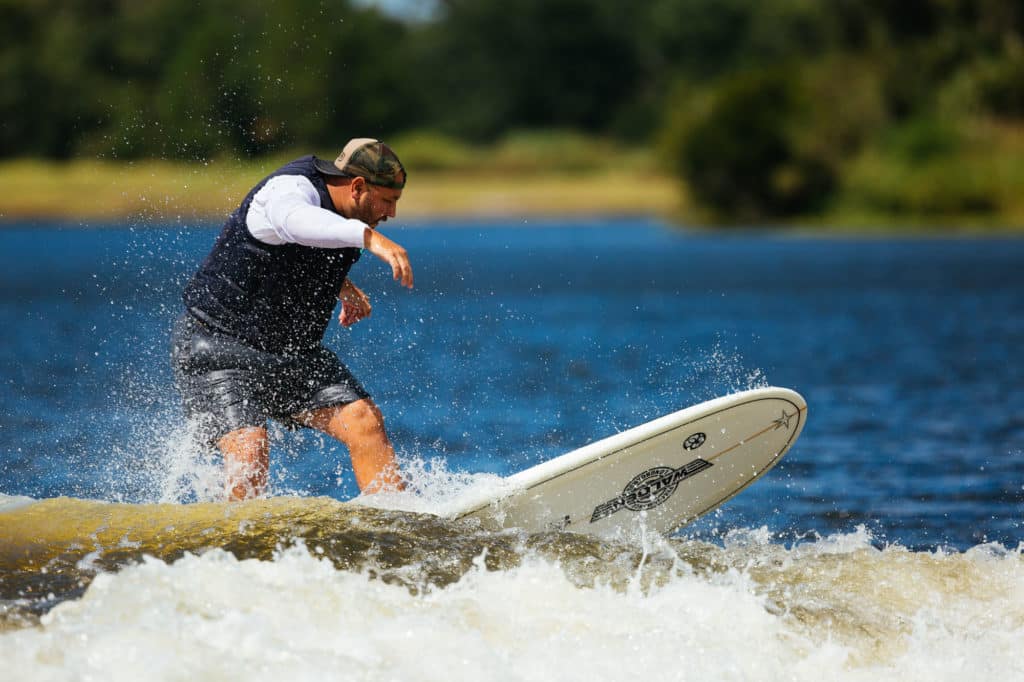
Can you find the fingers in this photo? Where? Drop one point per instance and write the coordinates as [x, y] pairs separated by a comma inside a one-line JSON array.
[[401, 269], [355, 306], [357, 299], [353, 311], [392, 254]]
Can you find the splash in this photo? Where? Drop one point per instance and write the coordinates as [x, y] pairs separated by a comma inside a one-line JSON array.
[[839, 608], [722, 369], [434, 488]]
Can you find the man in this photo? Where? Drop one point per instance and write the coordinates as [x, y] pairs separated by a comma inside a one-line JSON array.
[[249, 347]]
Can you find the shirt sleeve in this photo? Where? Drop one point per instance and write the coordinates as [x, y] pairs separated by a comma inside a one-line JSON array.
[[286, 210]]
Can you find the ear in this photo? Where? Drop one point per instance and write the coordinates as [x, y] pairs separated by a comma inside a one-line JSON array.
[[357, 186]]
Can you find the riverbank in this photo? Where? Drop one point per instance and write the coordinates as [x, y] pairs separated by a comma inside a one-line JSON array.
[[89, 191], [155, 190]]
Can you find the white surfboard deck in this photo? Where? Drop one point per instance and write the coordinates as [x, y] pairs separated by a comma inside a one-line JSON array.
[[663, 474]]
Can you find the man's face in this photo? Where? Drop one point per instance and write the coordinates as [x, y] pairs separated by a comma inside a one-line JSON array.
[[376, 204]]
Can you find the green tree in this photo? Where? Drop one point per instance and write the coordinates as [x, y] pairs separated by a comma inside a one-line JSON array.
[[53, 59], [741, 156], [494, 66]]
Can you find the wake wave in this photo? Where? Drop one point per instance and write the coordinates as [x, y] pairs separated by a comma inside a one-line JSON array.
[[838, 607]]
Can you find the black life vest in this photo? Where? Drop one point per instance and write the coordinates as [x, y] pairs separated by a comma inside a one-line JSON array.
[[278, 298]]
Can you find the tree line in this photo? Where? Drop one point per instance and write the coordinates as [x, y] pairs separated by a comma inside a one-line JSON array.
[[759, 104]]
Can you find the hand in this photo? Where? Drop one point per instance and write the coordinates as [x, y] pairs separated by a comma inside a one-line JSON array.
[[391, 253], [355, 305]]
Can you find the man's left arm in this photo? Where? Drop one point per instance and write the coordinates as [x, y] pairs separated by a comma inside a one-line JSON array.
[[355, 305]]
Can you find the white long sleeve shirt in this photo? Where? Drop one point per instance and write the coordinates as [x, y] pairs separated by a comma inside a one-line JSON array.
[[287, 210]]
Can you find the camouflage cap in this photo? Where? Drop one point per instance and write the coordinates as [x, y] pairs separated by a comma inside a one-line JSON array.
[[366, 158]]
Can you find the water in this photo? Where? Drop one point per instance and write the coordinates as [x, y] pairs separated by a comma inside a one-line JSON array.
[[886, 542]]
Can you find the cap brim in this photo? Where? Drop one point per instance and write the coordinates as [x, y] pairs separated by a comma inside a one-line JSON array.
[[328, 168]]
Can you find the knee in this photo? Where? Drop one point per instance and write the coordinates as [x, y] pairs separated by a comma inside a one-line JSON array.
[[361, 419]]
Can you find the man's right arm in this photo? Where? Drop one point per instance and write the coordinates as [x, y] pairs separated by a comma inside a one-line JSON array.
[[287, 210]]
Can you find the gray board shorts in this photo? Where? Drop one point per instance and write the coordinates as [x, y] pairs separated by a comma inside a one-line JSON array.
[[227, 384]]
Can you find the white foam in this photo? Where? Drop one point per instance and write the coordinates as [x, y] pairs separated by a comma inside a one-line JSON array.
[[298, 618], [12, 502], [435, 489], [185, 471]]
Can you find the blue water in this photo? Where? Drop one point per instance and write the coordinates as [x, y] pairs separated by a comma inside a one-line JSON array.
[[520, 343]]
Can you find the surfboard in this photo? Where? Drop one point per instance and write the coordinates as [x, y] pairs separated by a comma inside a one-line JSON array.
[[662, 474]]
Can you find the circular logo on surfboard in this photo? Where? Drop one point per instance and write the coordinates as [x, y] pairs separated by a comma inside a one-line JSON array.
[[694, 441]]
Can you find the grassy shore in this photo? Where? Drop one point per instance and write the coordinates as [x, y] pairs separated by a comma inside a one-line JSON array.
[[525, 175], [98, 191], [534, 174]]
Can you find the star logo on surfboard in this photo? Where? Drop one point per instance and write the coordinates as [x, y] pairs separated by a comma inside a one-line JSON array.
[[783, 420]]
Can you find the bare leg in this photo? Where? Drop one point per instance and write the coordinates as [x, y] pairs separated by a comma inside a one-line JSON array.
[[246, 462], [360, 426]]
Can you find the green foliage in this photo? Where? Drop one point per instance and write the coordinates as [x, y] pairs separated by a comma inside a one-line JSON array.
[[988, 85], [491, 66], [843, 107], [558, 151], [194, 80], [767, 108], [923, 140], [705, 39], [742, 157], [427, 151], [941, 189], [521, 152], [934, 169]]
